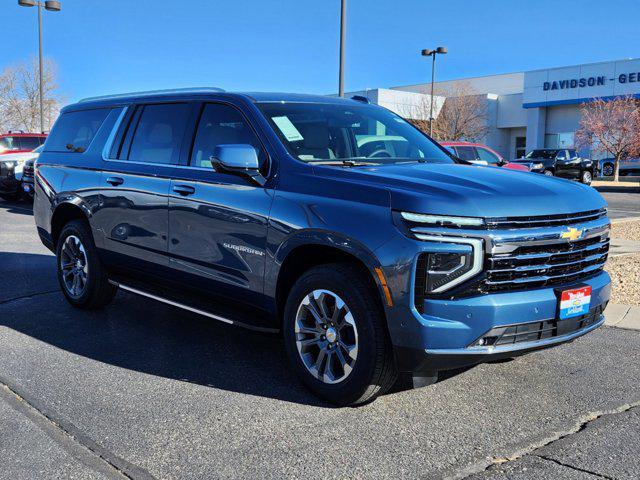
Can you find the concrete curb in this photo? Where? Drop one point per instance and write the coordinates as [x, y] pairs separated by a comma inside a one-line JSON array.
[[622, 316], [625, 220]]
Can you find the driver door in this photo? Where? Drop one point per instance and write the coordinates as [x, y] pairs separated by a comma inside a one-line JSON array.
[[218, 221]]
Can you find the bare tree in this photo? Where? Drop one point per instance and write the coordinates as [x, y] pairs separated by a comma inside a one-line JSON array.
[[19, 96], [611, 126], [462, 117]]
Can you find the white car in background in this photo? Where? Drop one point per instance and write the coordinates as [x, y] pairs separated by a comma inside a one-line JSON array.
[[11, 169]]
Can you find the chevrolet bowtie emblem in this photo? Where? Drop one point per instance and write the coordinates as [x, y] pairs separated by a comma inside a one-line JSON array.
[[572, 234]]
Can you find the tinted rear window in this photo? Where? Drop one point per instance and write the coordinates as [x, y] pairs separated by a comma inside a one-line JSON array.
[[74, 131], [29, 143]]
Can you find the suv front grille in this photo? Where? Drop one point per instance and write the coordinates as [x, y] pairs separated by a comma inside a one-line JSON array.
[[535, 266], [544, 220]]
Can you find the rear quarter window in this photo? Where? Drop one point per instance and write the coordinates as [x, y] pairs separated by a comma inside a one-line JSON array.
[[74, 131]]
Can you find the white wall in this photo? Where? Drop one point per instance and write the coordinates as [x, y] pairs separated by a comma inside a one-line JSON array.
[[510, 111], [406, 104], [502, 84]]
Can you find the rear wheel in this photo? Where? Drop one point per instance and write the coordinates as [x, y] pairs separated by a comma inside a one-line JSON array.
[[81, 275], [335, 336], [607, 170], [586, 177]]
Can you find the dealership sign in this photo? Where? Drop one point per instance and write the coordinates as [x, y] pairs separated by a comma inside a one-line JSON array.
[[590, 81]]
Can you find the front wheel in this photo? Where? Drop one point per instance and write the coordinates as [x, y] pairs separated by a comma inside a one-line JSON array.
[[81, 275], [335, 336], [586, 177], [548, 173]]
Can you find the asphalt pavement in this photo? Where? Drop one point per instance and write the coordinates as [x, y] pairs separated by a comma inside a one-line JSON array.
[[142, 390], [621, 204]]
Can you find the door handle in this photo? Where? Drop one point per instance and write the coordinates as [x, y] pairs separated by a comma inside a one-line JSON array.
[[115, 181], [184, 189]]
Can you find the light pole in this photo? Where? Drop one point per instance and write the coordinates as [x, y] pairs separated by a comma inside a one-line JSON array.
[[432, 53], [52, 6], [343, 34]]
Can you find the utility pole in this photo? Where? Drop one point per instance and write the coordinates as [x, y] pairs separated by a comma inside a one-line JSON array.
[[343, 34]]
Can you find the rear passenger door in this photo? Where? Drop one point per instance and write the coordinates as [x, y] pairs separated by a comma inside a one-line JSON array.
[[218, 221], [135, 185]]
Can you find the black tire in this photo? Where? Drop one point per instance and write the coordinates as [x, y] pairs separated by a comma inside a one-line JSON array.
[[374, 370], [608, 170], [548, 173], [586, 177], [97, 291]]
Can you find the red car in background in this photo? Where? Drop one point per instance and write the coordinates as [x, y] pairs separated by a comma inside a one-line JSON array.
[[19, 142], [480, 155]]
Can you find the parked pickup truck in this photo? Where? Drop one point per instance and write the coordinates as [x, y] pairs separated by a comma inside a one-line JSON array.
[[561, 162], [260, 210]]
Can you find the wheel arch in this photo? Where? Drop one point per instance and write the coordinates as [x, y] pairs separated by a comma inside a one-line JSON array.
[[297, 256], [65, 212]]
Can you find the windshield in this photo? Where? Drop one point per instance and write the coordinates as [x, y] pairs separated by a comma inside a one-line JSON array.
[[548, 154], [366, 134]]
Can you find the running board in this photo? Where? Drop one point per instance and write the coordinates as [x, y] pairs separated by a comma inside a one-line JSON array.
[[192, 309]]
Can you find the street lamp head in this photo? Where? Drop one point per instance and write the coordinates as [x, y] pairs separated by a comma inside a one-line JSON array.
[[52, 6], [441, 50], [27, 3], [426, 52]]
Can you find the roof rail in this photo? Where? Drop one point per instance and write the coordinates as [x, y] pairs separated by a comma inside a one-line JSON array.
[[153, 92]]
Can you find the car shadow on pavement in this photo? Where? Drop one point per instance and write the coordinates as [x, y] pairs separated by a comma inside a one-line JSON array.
[[21, 208], [149, 337]]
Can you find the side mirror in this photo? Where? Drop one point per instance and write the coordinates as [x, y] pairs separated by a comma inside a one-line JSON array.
[[238, 159]]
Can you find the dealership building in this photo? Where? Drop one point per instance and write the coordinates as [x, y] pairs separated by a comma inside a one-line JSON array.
[[525, 110]]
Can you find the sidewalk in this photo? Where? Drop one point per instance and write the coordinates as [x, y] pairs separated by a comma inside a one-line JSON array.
[[623, 247], [622, 316]]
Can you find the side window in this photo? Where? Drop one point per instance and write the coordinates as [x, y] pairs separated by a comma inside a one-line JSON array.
[[486, 155], [158, 135], [221, 125], [561, 155], [74, 131], [573, 154], [467, 153], [8, 144], [29, 143]]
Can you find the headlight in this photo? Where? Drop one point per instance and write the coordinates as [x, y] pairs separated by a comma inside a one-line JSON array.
[[443, 220], [446, 269], [537, 166]]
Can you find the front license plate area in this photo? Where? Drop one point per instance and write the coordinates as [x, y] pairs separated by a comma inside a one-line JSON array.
[[574, 302]]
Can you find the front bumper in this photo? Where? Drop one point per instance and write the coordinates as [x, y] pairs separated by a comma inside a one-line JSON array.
[[448, 329], [9, 184]]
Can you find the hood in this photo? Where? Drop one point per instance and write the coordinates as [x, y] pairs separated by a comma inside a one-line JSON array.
[[469, 190]]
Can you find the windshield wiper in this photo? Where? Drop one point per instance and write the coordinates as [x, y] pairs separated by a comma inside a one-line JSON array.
[[347, 162]]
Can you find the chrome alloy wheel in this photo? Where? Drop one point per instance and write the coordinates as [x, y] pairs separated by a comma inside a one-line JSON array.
[[326, 336], [74, 266]]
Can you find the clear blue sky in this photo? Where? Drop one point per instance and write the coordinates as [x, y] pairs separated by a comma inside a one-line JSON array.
[[106, 46]]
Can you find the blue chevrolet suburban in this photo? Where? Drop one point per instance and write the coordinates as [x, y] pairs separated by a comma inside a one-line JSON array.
[[366, 245]]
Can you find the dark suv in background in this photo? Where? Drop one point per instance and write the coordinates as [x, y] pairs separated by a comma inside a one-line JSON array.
[[281, 213], [561, 162]]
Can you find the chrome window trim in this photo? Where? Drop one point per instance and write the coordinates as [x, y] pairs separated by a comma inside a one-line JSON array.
[[112, 136], [478, 257]]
